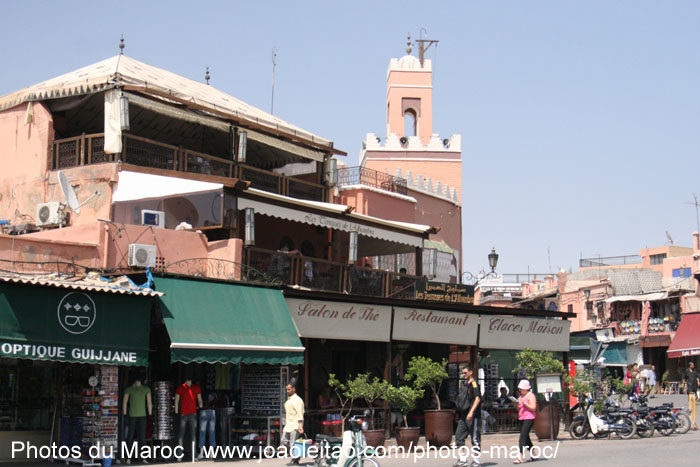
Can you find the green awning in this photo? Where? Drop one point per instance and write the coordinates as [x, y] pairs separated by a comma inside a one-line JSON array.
[[216, 322], [46, 323], [615, 354]]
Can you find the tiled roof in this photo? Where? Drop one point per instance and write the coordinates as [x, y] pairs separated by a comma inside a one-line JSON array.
[[634, 281], [120, 285]]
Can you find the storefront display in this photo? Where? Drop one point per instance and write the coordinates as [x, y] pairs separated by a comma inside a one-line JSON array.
[[263, 389], [163, 411]]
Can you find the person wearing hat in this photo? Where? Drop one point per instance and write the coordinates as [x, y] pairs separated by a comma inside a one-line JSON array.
[[527, 406]]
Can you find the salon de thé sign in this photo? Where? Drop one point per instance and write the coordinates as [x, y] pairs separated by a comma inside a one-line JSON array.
[[444, 292]]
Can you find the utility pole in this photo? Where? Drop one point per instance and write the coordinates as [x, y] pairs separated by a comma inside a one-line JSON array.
[[274, 64]]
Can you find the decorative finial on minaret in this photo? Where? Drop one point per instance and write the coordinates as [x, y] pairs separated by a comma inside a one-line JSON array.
[[207, 75], [121, 45], [408, 45]]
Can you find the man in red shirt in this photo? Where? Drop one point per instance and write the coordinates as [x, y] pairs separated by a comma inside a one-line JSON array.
[[187, 398]]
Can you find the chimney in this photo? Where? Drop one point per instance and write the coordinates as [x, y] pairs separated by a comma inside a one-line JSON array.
[[696, 242], [548, 282]]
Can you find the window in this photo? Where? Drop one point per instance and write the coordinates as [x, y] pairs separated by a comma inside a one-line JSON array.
[[409, 123], [657, 259], [681, 272]]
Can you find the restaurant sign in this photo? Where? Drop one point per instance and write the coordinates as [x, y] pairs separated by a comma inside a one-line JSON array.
[[444, 292], [45, 323], [340, 320], [507, 332], [420, 325]]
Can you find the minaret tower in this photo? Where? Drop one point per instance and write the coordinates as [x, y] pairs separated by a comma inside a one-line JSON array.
[[411, 150]]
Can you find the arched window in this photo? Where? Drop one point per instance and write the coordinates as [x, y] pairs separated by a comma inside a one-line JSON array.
[[409, 122]]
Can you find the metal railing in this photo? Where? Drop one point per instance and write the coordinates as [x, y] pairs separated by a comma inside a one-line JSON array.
[[89, 149], [320, 274], [604, 261], [520, 277], [368, 177]]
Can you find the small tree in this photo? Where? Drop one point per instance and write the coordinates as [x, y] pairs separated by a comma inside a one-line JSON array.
[[534, 362], [404, 398], [368, 389], [427, 373], [620, 389], [582, 385], [346, 398]]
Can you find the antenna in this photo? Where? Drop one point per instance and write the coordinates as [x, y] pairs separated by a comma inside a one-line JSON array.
[[670, 239], [274, 64], [697, 213], [69, 193], [422, 48]]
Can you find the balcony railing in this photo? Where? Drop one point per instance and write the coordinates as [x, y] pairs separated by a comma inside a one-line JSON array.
[[320, 274], [609, 261], [89, 149], [368, 177]]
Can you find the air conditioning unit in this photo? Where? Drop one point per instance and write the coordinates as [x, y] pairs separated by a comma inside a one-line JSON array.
[[143, 256], [52, 213]]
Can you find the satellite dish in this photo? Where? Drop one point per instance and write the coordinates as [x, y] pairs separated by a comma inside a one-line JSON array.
[[670, 239], [69, 193]]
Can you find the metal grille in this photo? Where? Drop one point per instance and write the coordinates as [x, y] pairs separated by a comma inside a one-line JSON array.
[[261, 180], [303, 190], [97, 151], [206, 165], [147, 154], [68, 154], [368, 177]]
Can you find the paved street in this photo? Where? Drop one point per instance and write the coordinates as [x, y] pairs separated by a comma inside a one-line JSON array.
[[673, 450]]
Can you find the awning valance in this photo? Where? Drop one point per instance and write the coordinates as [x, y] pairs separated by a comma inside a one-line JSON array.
[[46, 323], [446, 327], [334, 223], [515, 333], [686, 342], [217, 322], [615, 354], [654, 296]]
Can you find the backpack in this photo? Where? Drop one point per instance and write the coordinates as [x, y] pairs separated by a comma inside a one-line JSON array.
[[463, 402]]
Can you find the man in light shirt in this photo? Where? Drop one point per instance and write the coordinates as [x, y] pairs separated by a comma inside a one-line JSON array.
[[294, 423]]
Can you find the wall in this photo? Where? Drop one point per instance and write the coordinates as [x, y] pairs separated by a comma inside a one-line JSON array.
[[23, 158]]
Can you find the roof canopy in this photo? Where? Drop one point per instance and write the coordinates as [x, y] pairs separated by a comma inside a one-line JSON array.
[[125, 72]]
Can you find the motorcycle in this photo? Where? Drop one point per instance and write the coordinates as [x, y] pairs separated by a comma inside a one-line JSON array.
[[611, 421], [663, 416], [349, 451]]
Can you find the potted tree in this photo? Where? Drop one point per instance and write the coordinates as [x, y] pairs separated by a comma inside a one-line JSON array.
[[425, 372], [346, 399], [534, 363], [404, 398], [371, 390]]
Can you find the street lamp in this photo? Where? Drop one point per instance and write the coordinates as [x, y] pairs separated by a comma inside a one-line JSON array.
[[469, 278]]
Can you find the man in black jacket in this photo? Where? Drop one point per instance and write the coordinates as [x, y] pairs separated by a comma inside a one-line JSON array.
[[469, 412], [691, 379]]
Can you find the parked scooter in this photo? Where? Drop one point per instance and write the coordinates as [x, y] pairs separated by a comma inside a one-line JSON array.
[[611, 421], [349, 451], [681, 420]]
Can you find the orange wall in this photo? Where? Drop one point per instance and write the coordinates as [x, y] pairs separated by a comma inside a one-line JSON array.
[[23, 158]]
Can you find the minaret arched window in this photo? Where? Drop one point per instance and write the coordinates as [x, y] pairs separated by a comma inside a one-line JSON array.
[[410, 123]]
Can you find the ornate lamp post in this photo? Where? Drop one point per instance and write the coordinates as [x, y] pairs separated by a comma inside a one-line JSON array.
[[474, 279]]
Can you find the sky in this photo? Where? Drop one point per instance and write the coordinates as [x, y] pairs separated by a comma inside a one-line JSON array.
[[579, 119]]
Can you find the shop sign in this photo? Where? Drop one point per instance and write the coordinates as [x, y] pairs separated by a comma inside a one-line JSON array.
[[444, 292], [506, 332], [67, 353], [420, 325], [340, 320], [45, 323]]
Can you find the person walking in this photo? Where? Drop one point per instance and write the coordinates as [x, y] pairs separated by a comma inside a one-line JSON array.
[[469, 412], [651, 380], [691, 380], [294, 424], [527, 406]]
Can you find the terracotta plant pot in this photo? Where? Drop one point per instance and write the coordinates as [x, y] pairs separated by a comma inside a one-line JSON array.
[[408, 438], [438, 427], [375, 438], [542, 422]]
